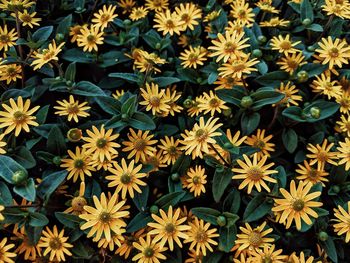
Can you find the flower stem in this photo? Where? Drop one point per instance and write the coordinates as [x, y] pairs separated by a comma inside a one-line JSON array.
[[221, 157]]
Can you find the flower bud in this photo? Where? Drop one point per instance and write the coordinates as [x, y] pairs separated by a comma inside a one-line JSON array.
[[307, 22], [315, 112], [154, 209], [302, 76], [246, 102], [257, 53], [262, 39], [227, 112], [74, 135], [175, 177], [323, 236], [221, 220], [188, 103], [56, 160], [19, 177]]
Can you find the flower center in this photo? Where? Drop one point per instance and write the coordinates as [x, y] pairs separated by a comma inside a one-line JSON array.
[[230, 47], [201, 135], [255, 239], [201, 236], [154, 101], [196, 180], [313, 173], [26, 18], [48, 55], [78, 203], [285, 45], [170, 24], [255, 173], [238, 66], [267, 259], [186, 18], [298, 205], [73, 108], [169, 228], [140, 144], [91, 39], [334, 52], [11, 71], [322, 156], [4, 39], [55, 243], [259, 144], [172, 150], [79, 163], [105, 217], [102, 142], [125, 178], [148, 252], [293, 64], [214, 102], [19, 116], [104, 18]]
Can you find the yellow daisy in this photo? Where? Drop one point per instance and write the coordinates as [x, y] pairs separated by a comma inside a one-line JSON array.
[[290, 94], [193, 57], [321, 154], [267, 254], [237, 67], [127, 243], [10, 73], [104, 16], [72, 108], [196, 180], [262, 143], [46, 55], [89, 39], [28, 19], [291, 62], [275, 22], [342, 225], [170, 149], [168, 22], [241, 11], [189, 14], [7, 38], [6, 255], [323, 84], [157, 5], [149, 251], [26, 247], [2, 144], [344, 153], [154, 99], [138, 13], [78, 202], [211, 103], [308, 173], [284, 44], [344, 124]]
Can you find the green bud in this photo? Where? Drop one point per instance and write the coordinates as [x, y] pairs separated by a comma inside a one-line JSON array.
[[125, 117], [228, 145], [307, 22], [78, 9], [188, 103], [227, 112], [220, 169], [199, 80], [175, 177], [323, 236], [257, 53], [315, 112], [127, 22], [19, 177], [262, 39], [74, 135], [221, 220], [69, 83], [56, 160], [158, 46], [302, 76], [154, 209], [246, 102], [59, 37], [336, 189], [311, 48]]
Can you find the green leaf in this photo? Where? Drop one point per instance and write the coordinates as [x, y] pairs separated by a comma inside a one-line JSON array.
[[227, 238], [181, 165], [68, 220], [294, 113], [232, 202], [273, 78], [129, 107], [64, 25], [79, 56], [27, 190], [141, 121], [50, 183], [70, 72], [315, 27], [207, 214], [56, 142], [213, 257], [221, 180], [132, 77], [330, 249], [140, 199], [165, 81], [42, 34], [24, 157], [109, 105], [171, 199], [265, 96], [37, 219], [5, 194], [8, 167], [87, 89], [233, 95], [314, 69], [306, 10], [42, 114], [290, 139], [249, 122], [139, 221], [257, 208], [327, 109]]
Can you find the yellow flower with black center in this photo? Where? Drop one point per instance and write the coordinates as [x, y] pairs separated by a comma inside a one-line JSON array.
[[55, 243], [78, 165], [324, 85], [338, 8], [26, 247], [105, 164], [46, 55], [90, 38], [321, 154], [105, 218], [241, 11], [10, 73], [275, 22], [72, 109], [126, 5], [101, 143], [5, 254], [284, 44], [7, 38], [227, 82], [154, 99], [168, 227], [297, 205], [148, 251], [261, 142], [147, 62], [342, 225], [201, 236], [344, 101], [170, 149], [139, 145], [253, 238], [74, 32], [104, 16], [344, 153], [211, 103], [344, 124], [167, 22], [291, 62], [171, 96], [254, 173], [229, 46], [28, 19], [311, 174], [193, 57], [266, 6], [17, 116], [126, 178], [193, 257], [268, 254], [189, 14], [290, 95], [196, 180], [127, 243], [138, 13], [236, 68], [78, 202], [157, 5], [14, 5], [301, 258]]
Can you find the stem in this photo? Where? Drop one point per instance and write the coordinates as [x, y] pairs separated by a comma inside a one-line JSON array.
[[93, 9], [326, 27], [221, 157], [274, 118], [58, 66], [20, 49]]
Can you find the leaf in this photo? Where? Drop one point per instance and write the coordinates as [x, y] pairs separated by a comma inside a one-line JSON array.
[[315, 27], [227, 238], [327, 109], [181, 165], [165, 81], [257, 208], [264, 97], [233, 96], [139, 221], [14, 94], [42, 34], [26, 190], [70, 72], [37, 219], [79, 56], [272, 78], [5, 194], [213, 257], [306, 10], [68, 220], [170, 199], [50, 183], [129, 106], [42, 114], [141, 121], [207, 214], [330, 249], [87, 89], [24, 157], [290, 139], [64, 25], [132, 77], [313, 69], [294, 113], [55, 141], [249, 122], [221, 180], [140, 199], [232, 202], [109, 105], [8, 167]]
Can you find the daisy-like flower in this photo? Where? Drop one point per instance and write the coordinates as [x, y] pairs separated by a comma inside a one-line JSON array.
[[154, 99], [193, 257], [227, 82], [138, 13], [106, 217], [55, 243], [193, 57], [201, 236], [105, 164], [126, 5], [78, 202], [253, 238], [112, 244], [2, 208], [342, 225], [46, 55], [322, 154], [323, 84], [118, 94], [297, 205], [10, 73], [344, 153], [167, 22], [2, 144], [196, 180], [228, 46], [189, 14], [72, 109], [127, 243], [197, 140], [104, 16], [290, 94], [212, 16], [291, 62], [301, 259], [241, 11], [193, 109], [333, 53], [308, 173], [126, 178], [139, 145], [170, 149], [338, 8], [344, 102], [262, 143], [78, 165], [74, 32], [211, 103], [149, 251], [275, 22], [237, 67], [266, 6], [89, 39], [101, 143], [7, 38], [28, 19], [268, 254], [171, 96], [168, 227], [254, 173], [157, 5], [156, 160], [15, 4], [26, 247], [17, 116], [284, 44], [6, 255], [147, 62], [344, 124], [235, 26]]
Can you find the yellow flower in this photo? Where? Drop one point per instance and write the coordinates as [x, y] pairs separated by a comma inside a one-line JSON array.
[[150, 251], [90, 38], [337, 8], [17, 116], [266, 6], [146, 62], [342, 220], [2, 208], [15, 4], [155, 160], [212, 16], [275, 22], [254, 238], [115, 240], [291, 62], [194, 110], [170, 149], [10, 72], [103, 17], [6, 255], [78, 202], [344, 153], [72, 108], [344, 124], [284, 45], [127, 5], [105, 164], [105, 218], [228, 47], [237, 67], [197, 140], [137, 13], [254, 173], [171, 96], [344, 101], [157, 5], [74, 32], [308, 173], [26, 247], [196, 180], [126, 178], [7, 38], [55, 243], [321, 154], [188, 14], [118, 94], [290, 96], [127, 243], [227, 82], [168, 228], [262, 143], [323, 84], [201, 236], [301, 259], [297, 204], [154, 99], [194, 257], [28, 19], [333, 53], [241, 11], [46, 55], [167, 22], [78, 165], [101, 143], [139, 145], [268, 254], [211, 103], [193, 57]]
